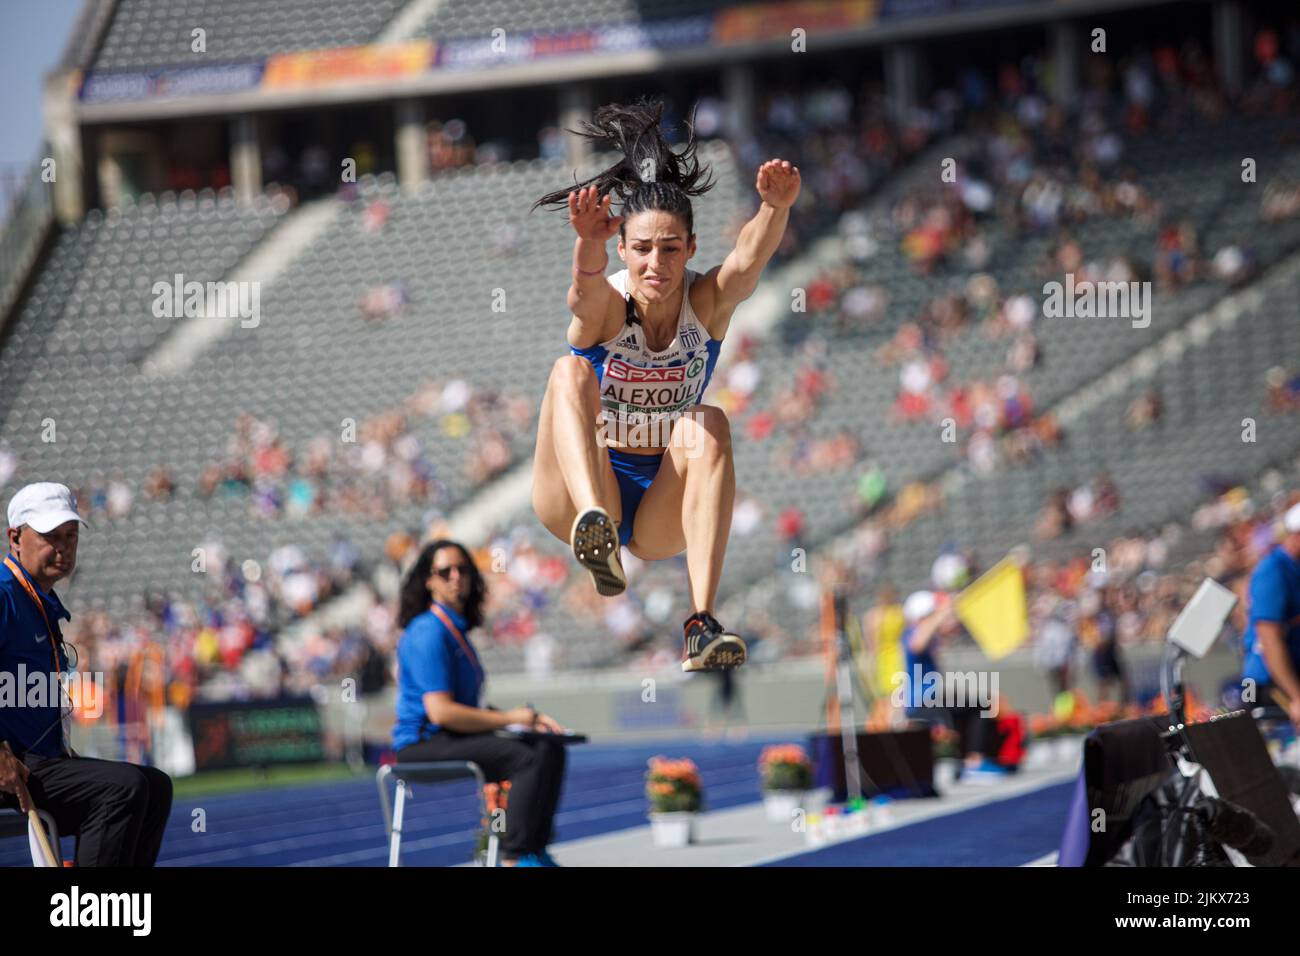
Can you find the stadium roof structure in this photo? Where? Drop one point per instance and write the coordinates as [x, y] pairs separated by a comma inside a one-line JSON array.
[[281, 63]]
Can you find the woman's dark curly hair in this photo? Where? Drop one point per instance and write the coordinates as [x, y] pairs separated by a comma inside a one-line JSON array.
[[416, 598], [651, 175]]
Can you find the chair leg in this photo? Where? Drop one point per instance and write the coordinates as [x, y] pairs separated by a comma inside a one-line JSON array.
[[395, 842], [493, 842], [381, 778]]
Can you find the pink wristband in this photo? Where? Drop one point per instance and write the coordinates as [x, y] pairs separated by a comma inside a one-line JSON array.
[[584, 272]]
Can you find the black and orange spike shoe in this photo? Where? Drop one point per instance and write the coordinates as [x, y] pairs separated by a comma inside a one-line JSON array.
[[709, 647]]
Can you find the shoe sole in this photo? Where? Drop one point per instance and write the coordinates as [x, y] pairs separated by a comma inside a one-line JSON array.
[[595, 545], [726, 654]]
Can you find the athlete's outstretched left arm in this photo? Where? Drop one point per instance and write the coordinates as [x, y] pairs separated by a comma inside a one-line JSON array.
[[736, 279]]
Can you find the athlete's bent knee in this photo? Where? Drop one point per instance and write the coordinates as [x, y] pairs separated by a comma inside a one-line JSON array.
[[573, 372], [707, 430]]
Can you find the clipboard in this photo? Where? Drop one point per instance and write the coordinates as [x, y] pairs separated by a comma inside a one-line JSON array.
[[522, 734]]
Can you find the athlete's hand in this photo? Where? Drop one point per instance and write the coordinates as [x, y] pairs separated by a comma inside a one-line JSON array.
[[590, 216], [778, 183], [13, 776]]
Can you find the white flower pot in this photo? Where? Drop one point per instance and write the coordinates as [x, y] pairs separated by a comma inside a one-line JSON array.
[[1039, 754], [857, 823], [882, 812], [782, 804], [673, 829], [945, 772], [1069, 749]]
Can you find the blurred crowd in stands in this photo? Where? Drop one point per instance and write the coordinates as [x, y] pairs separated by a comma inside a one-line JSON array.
[[1023, 168], [1084, 609], [1069, 507], [226, 640], [373, 466], [1027, 170]]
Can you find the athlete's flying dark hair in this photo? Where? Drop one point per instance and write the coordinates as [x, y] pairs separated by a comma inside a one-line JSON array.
[[650, 175]]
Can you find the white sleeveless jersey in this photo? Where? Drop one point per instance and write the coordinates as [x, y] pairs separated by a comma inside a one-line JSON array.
[[641, 387]]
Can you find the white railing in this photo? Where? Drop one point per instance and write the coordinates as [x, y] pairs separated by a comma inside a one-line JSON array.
[[26, 215]]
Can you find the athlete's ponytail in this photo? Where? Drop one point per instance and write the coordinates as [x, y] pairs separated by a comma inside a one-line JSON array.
[[651, 175]]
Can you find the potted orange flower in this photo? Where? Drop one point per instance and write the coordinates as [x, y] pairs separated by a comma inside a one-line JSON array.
[[673, 787], [786, 775], [494, 798]]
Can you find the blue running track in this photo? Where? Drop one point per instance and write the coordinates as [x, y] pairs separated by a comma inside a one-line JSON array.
[[339, 823], [1008, 832]]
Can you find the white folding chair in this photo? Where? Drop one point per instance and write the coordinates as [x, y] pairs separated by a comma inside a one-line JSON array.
[[439, 771], [16, 823]]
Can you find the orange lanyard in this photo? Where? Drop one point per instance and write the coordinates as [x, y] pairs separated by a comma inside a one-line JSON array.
[[460, 639], [40, 606]]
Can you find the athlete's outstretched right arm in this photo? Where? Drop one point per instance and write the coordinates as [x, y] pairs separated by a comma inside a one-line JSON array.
[[591, 297]]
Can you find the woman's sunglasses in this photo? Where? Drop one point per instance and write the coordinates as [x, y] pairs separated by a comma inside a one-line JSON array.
[[445, 573]]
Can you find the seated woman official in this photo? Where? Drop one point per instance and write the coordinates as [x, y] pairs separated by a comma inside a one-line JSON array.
[[440, 715]]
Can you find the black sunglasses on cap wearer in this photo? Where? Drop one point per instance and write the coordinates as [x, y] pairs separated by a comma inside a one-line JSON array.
[[445, 573]]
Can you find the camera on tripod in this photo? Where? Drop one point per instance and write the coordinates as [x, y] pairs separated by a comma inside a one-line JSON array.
[[1194, 816]]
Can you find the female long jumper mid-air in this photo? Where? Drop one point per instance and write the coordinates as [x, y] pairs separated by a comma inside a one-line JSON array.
[[626, 454]]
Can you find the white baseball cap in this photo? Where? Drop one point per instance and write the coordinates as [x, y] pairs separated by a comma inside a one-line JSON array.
[[43, 506], [919, 605], [1291, 520]]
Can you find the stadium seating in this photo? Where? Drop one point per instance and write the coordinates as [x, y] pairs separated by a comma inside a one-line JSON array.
[[1075, 352], [340, 365], [998, 511], [315, 361], [1208, 390], [148, 34]]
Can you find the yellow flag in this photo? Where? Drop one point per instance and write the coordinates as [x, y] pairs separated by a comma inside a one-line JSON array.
[[993, 609], [889, 650]]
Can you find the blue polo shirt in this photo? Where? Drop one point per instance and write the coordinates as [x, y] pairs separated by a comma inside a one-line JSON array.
[[25, 651], [914, 694], [429, 659], [1274, 596]]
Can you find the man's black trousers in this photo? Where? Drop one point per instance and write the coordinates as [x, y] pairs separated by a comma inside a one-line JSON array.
[[118, 811]]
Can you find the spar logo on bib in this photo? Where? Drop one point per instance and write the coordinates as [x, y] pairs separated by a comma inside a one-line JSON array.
[[667, 389], [634, 373]]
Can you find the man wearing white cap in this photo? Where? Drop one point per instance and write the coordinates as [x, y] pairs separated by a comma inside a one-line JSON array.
[[117, 811], [926, 614], [1272, 638]]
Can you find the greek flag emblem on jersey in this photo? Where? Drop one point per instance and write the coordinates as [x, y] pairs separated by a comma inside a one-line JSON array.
[[690, 337]]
